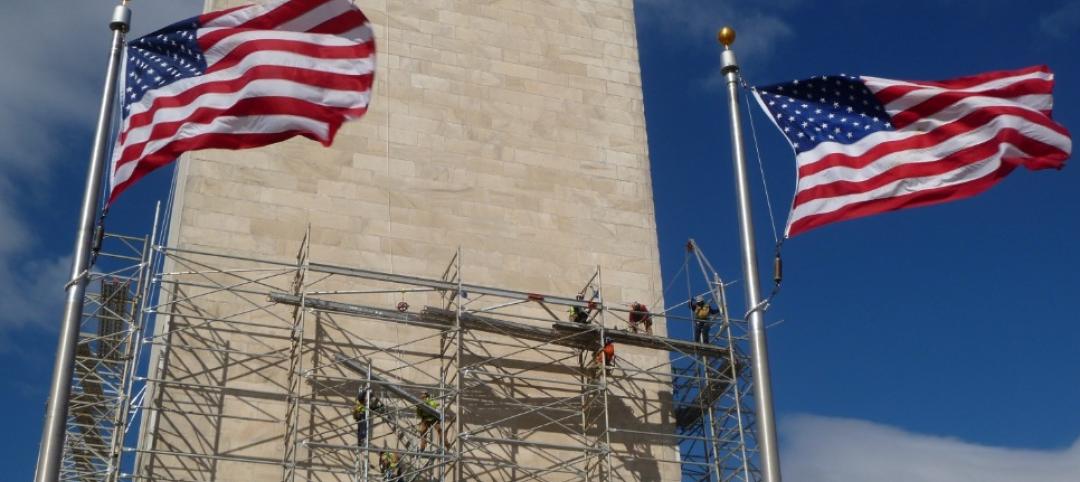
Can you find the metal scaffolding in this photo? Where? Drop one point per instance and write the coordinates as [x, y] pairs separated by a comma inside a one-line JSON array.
[[257, 369], [98, 410]]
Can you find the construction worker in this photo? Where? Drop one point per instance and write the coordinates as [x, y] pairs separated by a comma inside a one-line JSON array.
[[428, 420], [390, 466], [360, 413], [605, 356], [578, 314], [640, 318], [703, 313]]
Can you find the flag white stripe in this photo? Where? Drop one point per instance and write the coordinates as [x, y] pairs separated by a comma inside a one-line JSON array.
[[254, 89], [361, 34], [238, 17], [934, 153], [316, 16], [259, 59], [906, 186]]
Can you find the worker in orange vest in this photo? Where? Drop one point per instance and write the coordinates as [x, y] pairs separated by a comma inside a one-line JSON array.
[[605, 356]]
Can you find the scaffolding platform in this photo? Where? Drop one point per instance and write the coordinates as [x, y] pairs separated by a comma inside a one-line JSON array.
[[573, 335]]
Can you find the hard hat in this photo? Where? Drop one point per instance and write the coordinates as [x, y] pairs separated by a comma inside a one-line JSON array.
[[699, 298]]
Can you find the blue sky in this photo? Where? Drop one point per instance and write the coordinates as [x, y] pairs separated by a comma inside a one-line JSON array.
[[932, 344]]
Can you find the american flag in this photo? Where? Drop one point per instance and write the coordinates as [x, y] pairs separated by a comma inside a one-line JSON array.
[[866, 145], [241, 78]]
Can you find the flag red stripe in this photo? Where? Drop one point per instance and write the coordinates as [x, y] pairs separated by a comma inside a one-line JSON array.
[[940, 101], [237, 55], [1039, 151], [968, 123], [341, 23], [919, 198], [359, 82]]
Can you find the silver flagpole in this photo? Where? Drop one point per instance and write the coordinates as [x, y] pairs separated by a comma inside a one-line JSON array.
[[766, 429], [51, 450]]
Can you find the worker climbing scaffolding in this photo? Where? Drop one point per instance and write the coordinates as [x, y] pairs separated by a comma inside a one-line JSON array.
[[604, 358], [390, 466], [364, 400], [429, 420]]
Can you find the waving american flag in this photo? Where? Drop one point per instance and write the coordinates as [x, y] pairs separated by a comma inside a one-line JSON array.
[[865, 145], [241, 78]]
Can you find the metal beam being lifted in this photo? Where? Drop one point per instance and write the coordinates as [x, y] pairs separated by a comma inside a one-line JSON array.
[[388, 385]]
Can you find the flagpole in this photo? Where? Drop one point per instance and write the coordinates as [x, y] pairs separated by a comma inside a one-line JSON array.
[[766, 423], [51, 450]]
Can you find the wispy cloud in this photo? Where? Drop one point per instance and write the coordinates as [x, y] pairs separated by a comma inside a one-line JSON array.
[[54, 58], [760, 25], [821, 449], [1062, 23]]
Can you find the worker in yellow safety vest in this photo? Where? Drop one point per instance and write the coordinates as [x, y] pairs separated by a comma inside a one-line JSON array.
[[390, 466], [703, 314], [360, 414], [579, 314], [428, 420]]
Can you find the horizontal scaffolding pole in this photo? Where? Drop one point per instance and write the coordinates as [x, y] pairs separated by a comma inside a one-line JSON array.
[[447, 285]]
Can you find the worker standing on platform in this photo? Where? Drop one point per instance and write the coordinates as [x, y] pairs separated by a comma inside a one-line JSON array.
[[703, 314], [390, 465], [428, 420], [579, 314], [640, 318]]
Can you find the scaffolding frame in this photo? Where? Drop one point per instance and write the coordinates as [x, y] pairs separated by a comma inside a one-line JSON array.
[[522, 393], [105, 358]]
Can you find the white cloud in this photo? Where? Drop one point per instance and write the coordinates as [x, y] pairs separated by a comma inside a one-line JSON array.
[[822, 449], [33, 292], [1063, 22], [54, 59]]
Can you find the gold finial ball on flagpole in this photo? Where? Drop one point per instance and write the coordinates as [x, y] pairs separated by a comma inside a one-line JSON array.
[[726, 36]]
